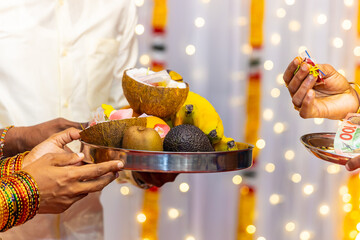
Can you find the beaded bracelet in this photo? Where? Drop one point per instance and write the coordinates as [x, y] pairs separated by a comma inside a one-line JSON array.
[[2, 140], [357, 90], [20, 199]]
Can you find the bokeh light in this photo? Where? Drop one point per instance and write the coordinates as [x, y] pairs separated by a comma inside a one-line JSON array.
[[357, 51], [251, 229], [141, 217], [290, 226], [324, 209], [190, 238], [308, 189], [139, 3], [305, 235], [338, 42], [124, 190], [280, 13], [333, 169], [275, 39], [237, 179], [289, 155], [173, 213], [349, 3], [184, 187], [246, 49], [274, 199], [199, 22], [260, 144], [347, 207], [346, 198], [275, 92], [279, 128], [296, 178], [268, 65], [343, 190], [144, 59], [318, 121], [268, 114], [139, 29], [346, 24], [190, 49], [321, 19], [270, 167], [280, 79], [294, 26]]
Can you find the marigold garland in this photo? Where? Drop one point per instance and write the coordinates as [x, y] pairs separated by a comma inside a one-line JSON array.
[[352, 208], [151, 209], [247, 197], [151, 206]]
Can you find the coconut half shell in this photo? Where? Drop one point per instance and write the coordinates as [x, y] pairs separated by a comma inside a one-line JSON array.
[[153, 100], [110, 134]]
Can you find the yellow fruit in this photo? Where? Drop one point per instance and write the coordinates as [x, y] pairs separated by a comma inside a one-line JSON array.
[[174, 75], [158, 124], [107, 109], [226, 144], [152, 121], [199, 112]]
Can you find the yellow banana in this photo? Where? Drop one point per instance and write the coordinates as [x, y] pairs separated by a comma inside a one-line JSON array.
[[226, 144], [199, 112]]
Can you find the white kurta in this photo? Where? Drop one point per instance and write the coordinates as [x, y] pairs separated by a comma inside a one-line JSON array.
[[63, 58]]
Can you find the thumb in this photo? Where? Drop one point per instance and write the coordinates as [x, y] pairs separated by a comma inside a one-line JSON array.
[[65, 159], [66, 136]]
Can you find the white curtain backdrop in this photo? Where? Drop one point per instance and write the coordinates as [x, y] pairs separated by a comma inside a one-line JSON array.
[[218, 70]]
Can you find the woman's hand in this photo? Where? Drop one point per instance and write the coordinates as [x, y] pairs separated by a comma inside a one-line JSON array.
[[332, 100], [61, 183], [57, 172]]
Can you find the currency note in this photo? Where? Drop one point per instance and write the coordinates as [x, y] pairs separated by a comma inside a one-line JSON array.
[[347, 138]]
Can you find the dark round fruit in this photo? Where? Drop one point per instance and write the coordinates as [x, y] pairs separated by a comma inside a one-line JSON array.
[[187, 138]]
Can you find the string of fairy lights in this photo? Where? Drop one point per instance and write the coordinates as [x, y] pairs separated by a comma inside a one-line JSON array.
[[279, 127]]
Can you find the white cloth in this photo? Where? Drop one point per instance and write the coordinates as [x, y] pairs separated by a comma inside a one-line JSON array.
[[63, 58]]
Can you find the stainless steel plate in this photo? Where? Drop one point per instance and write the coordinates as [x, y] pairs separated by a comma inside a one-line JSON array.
[[314, 142], [172, 162]]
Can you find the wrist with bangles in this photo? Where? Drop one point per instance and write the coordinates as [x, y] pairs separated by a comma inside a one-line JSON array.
[[19, 195], [2, 140]]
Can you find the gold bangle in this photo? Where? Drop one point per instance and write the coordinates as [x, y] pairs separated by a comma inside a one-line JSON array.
[[357, 90]]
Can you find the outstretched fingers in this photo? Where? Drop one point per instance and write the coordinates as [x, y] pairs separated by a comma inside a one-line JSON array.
[[94, 171]]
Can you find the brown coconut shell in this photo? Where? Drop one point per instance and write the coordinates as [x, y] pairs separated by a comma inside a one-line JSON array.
[[110, 134], [158, 101]]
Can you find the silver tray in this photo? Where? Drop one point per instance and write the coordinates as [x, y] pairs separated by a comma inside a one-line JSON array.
[[315, 141], [172, 162]]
